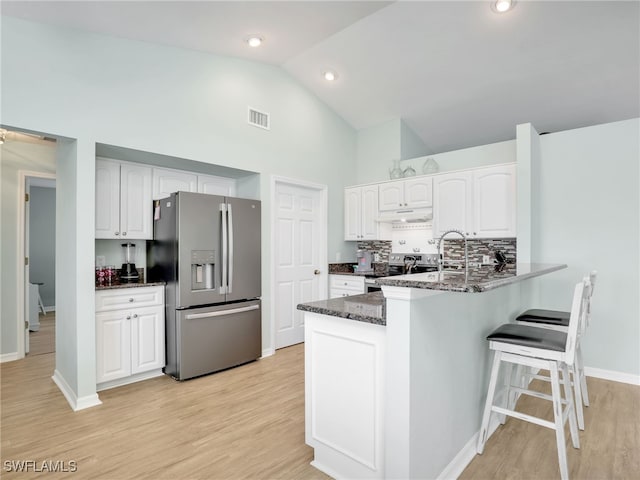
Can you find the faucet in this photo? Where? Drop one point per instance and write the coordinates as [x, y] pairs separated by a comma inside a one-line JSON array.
[[466, 255]]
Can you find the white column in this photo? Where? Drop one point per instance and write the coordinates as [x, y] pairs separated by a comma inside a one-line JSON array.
[[398, 379]]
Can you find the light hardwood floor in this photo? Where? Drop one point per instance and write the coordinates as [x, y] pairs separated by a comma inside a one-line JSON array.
[[44, 340], [248, 422]]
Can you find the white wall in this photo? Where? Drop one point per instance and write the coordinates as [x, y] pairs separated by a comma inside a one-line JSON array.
[[42, 245], [15, 156], [586, 214], [181, 103]]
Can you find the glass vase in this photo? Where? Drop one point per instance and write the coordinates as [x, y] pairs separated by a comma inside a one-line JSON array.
[[395, 172], [430, 166]]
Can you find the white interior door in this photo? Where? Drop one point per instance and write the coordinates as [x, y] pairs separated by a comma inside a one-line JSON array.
[[28, 304], [299, 256]]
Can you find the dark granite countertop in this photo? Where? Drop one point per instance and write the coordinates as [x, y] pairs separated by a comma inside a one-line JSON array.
[[368, 307], [129, 285], [380, 269], [478, 279]]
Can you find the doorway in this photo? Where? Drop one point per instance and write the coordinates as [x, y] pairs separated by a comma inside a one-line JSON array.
[[32, 321], [40, 228], [299, 253]]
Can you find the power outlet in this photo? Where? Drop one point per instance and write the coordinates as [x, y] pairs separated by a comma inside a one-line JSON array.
[[101, 261], [486, 259]]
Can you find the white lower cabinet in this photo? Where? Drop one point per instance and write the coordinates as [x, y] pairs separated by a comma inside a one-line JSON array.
[[345, 368], [345, 285], [129, 335]]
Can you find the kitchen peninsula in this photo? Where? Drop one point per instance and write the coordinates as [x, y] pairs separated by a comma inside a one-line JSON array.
[[394, 386]]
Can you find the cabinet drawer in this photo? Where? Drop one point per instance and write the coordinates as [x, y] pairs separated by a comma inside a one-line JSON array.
[[347, 282], [117, 299]]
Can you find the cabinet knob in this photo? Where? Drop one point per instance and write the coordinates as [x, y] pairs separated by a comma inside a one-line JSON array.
[[124, 234], [345, 283], [117, 233], [135, 315], [406, 204], [316, 272], [131, 300], [128, 317]]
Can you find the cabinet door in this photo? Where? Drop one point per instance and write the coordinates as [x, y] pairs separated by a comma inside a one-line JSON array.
[[495, 201], [452, 202], [391, 196], [352, 213], [369, 212], [216, 185], [147, 339], [107, 199], [418, 192], [135, 202], [113, 345], [166, 181]]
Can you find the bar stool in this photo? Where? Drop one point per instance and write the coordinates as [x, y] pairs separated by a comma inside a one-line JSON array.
[[40, 304], [559, 320], [543, 349]]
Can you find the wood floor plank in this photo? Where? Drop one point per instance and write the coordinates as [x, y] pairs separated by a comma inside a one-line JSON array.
[[609, 446], [248, 423]]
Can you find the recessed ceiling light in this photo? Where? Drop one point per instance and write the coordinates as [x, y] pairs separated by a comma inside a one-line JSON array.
[[254, 40], [502, 6], [330, 75]]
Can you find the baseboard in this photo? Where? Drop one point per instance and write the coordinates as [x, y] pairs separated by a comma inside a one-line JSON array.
[[131, 379], [612, 375], [9, 357], [76, 403], [467, 454], [267, 352]]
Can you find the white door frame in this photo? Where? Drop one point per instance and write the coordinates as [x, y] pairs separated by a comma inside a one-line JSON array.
[[21, 275], [324, 278]]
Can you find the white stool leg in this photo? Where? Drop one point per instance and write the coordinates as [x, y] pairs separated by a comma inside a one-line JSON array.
[[40, 302], [572, 406], [486, 416], [508, 403], [557, 415], [578, 395], [582, 378]]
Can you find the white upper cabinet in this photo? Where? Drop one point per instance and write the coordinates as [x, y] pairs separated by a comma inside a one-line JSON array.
[[391, 195], [413, 193], [453, 202], [480, 202], [166, 181], [123, 200], [418, 192], [216, 185], [494, 195], [361, 213]]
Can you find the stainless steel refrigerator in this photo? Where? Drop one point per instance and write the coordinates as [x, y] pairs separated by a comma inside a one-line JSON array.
[[207, 250]]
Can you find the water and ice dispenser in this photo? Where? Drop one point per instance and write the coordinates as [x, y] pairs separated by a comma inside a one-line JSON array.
[[203, 268]]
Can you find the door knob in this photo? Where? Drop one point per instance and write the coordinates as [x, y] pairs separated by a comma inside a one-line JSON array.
[[316, 272]]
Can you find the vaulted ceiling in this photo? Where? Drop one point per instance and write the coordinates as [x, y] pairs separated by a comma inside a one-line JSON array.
[[456, 72]]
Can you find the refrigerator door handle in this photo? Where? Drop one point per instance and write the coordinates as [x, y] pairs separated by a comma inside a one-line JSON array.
[[223, 283], [230, 220], [220, 313]]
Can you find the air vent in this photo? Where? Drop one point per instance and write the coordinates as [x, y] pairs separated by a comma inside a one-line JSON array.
[[258, 119]]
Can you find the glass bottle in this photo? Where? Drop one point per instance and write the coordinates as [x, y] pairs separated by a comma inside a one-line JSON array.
[[430, 166], [409, 172], [395, 172]]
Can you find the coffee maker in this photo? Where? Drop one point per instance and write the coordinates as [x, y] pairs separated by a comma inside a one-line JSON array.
[[364, 261], [128, 272]]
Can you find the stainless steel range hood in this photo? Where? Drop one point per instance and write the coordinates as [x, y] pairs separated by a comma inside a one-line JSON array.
[[406, 215]]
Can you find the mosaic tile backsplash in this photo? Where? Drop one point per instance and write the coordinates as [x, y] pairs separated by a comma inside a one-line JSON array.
[[381, 247], [454, 248]]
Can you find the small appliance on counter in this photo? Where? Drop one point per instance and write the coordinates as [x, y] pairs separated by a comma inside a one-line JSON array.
[[128, 271], [364, 261]]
